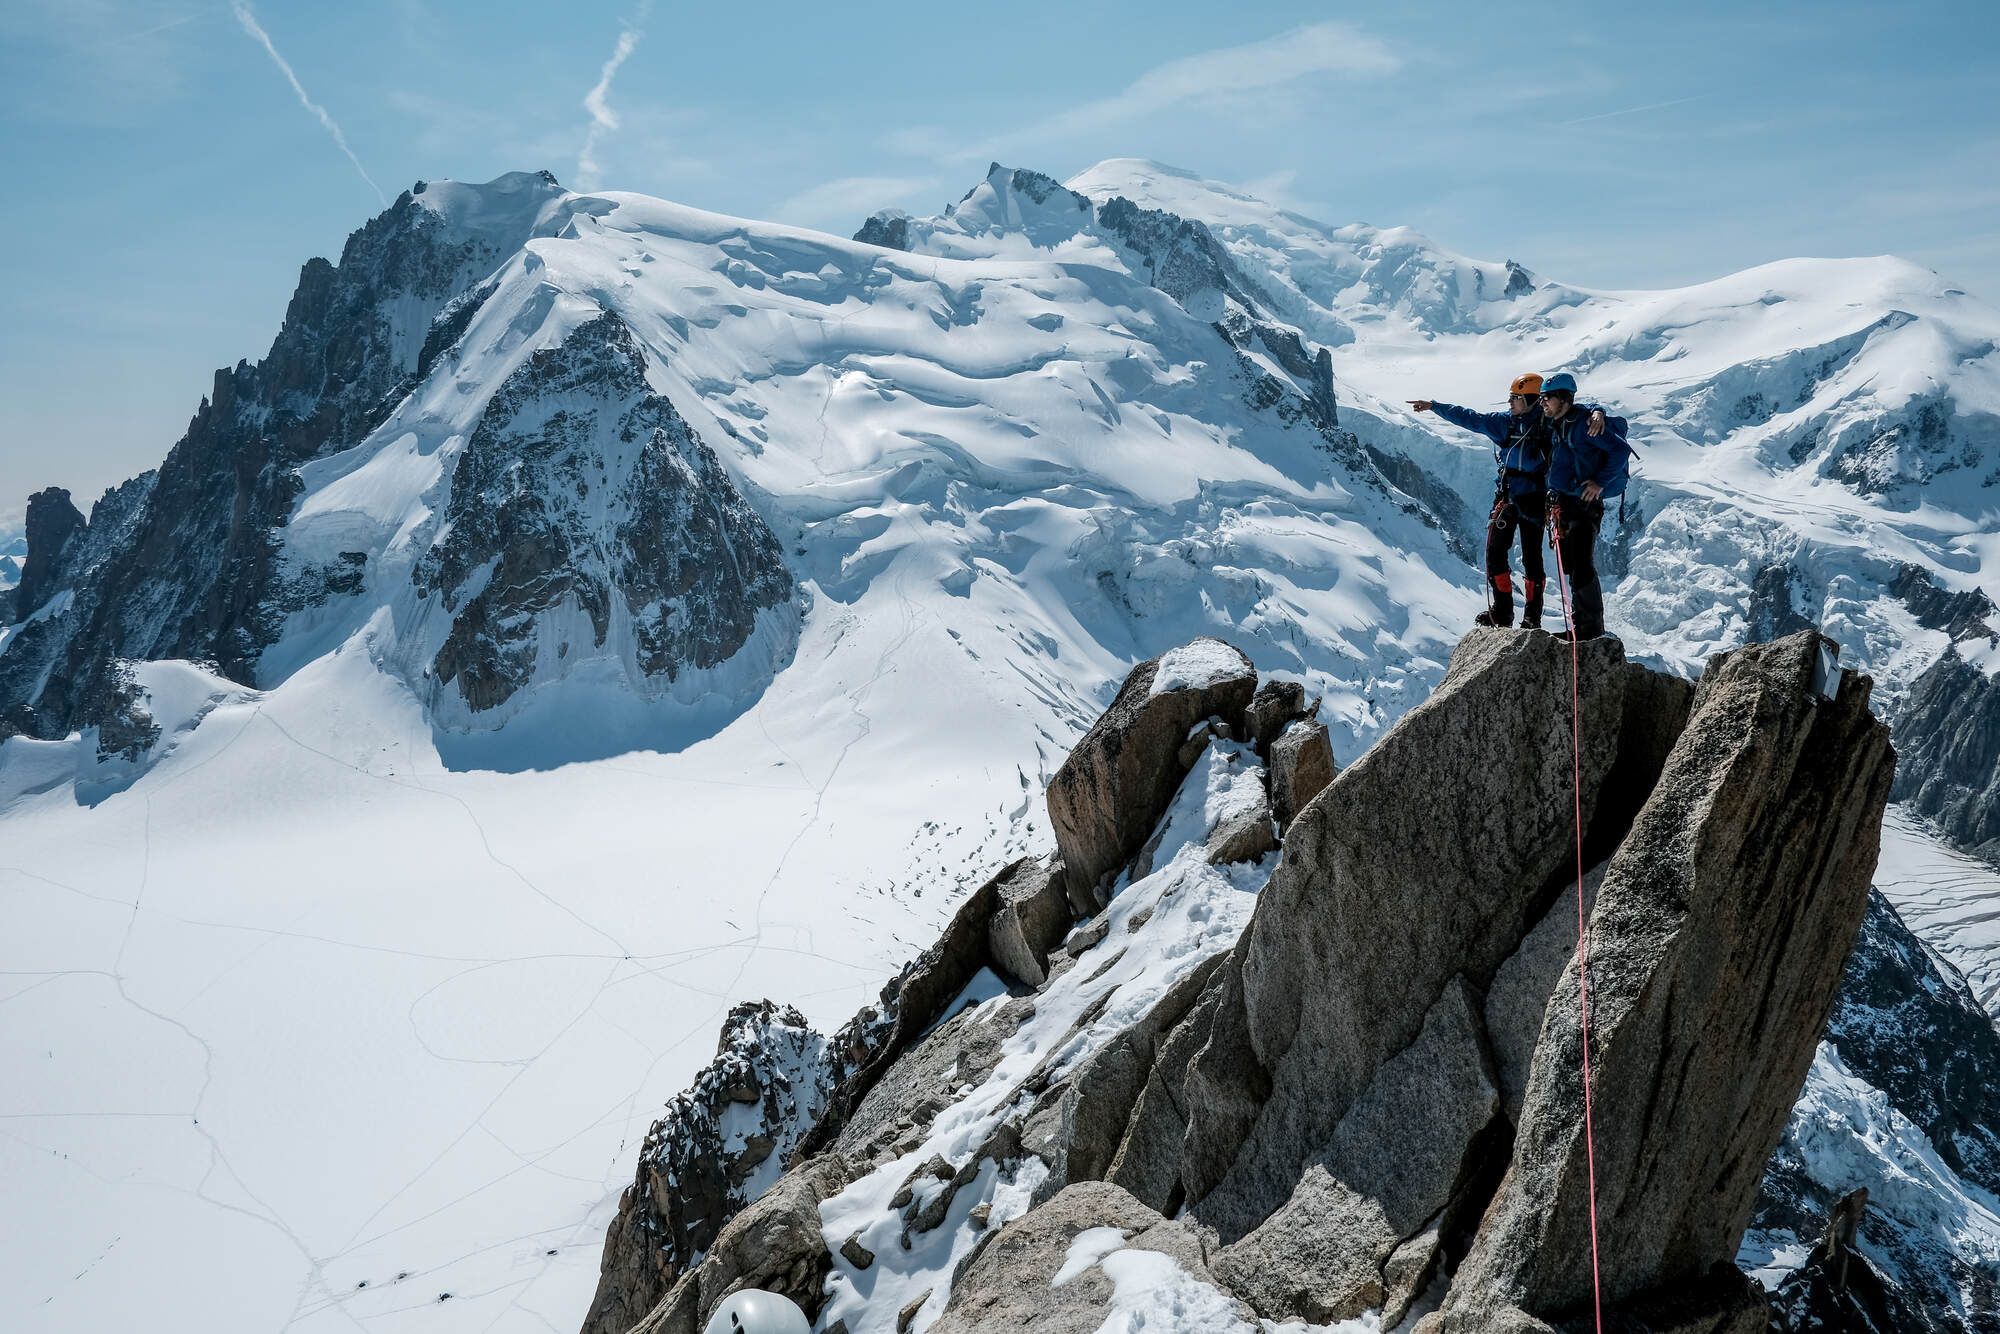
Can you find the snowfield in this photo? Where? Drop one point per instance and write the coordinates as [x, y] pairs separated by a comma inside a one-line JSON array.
[[335, 1011]]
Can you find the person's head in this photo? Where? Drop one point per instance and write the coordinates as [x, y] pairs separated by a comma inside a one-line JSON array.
[[1558, 393], [1522, 393]]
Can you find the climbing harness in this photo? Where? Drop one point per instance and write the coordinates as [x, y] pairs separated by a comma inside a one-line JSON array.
[[1582, 926]]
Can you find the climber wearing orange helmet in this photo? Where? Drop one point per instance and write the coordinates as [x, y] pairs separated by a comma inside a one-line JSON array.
[[1521, 448]]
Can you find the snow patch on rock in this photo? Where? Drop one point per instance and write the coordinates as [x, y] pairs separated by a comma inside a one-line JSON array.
[[1158, 929], [1197, 666]]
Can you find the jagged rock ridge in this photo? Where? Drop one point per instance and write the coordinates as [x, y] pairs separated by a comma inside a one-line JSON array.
[[185, 562], [1338, 1138]]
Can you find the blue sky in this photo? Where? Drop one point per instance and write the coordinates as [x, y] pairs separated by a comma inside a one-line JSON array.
[[169, 168]]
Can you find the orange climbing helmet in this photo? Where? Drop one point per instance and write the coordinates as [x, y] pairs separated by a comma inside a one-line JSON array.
[[1529, 384]]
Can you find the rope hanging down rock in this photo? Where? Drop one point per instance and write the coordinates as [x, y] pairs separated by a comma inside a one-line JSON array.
[[1582, 923]]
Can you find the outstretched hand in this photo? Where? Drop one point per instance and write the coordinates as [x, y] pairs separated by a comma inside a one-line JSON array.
[[1596, 424], [1419, 404]]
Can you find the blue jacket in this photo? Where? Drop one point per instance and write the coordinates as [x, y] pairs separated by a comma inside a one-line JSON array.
[[1520, 444], [1576, 457]]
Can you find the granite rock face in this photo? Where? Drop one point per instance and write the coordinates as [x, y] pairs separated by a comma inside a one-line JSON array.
[[889, 229], [774, 1244], [53, 522], [1011, 1283], [1462, 879], [1718, 937], [1301, 767], [1111, 791], [1371, 1101]]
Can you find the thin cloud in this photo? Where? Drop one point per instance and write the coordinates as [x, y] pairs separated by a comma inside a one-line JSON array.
[[849, 199], [1631, 111], [250, 25], [1225, 74], [604, 120]]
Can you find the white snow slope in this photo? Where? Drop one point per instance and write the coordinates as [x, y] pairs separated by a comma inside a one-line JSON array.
[[311, 1030]]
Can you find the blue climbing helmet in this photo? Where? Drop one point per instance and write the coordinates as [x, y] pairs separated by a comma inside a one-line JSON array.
[[1560, 382]]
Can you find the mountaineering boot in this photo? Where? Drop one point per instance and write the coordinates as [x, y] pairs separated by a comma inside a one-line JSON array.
[[1531, 614], [1499, 602]]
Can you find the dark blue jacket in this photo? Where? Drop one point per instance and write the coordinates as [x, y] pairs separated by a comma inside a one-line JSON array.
[[1520, 444], [1576, 456]]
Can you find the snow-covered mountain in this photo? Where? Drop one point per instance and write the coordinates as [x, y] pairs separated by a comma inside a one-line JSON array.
[[595, 612]]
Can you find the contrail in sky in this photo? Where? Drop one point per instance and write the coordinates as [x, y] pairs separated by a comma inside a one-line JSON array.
[[1631, 111], [250, 25], [598, 100]]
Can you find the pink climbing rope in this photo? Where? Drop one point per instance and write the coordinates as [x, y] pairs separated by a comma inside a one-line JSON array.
[[1582, 917]]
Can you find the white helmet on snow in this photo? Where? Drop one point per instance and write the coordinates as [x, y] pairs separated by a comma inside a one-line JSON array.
[[753, 1312]]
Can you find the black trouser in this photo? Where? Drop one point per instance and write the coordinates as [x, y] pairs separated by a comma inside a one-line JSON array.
[[1526, 515], [1577, 522]]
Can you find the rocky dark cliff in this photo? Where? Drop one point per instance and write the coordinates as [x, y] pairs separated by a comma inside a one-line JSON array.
[[1909, 1026], [185, 562], [1372, 1099], [1948, 734], [583, 491]]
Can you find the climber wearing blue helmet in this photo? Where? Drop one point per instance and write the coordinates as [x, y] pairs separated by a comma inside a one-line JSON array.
[[1588, 460]]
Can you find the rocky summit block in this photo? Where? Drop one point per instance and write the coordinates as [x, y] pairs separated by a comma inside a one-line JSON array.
[[1376, 1086], [1109, 795], [1716, 948], [1424, 861]]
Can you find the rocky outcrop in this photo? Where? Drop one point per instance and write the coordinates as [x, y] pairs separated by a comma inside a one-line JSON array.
[[1948, 741], [1110, 792], [1296, 1044], [1301, 767], [1034, 1276], [779, 1092], [1909, 1024], [53, 522], [716, 1148], [1371, 1098], [185, 562], [774, 1245], [1728, 910], [1179, 256], [588, 522], [1276, 706], [890, 229], [1031, 915]]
